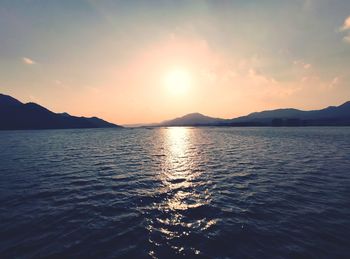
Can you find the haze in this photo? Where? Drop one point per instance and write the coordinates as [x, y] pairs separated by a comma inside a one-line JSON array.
[[148, 61]]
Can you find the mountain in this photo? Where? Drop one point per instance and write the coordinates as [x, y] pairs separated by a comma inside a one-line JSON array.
[[331, 116], [17, 115], [193, 119], [6, 100]]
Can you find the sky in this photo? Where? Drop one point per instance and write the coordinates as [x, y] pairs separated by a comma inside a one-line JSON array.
[[148, 61]]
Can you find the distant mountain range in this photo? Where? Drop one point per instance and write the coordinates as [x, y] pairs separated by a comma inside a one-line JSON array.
[[331, 116], [17, 115]]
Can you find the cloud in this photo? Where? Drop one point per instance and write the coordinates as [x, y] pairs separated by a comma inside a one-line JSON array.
[[346, 25], [302, 64], [335, 81], [347, 39], [58, 82], [307, 66], [346, 28], [61, 84], [28, 61]]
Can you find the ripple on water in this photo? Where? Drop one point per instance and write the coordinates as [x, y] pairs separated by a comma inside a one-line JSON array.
[[162, 193]]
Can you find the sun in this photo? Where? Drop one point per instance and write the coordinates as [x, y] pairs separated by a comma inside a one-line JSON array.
[[178, 81]]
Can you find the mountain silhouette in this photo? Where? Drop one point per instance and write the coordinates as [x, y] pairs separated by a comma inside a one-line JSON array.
[[193, 119], [330, 116], [17, 115]]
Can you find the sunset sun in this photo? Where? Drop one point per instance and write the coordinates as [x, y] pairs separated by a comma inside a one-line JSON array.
[[178, 81]]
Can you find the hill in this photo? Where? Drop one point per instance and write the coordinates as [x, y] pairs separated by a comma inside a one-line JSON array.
[[193, 119], [15, 115], [330, 116]]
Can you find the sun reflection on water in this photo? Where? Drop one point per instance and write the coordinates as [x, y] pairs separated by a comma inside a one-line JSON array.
[[177, 173], [177, 141], [181, 210]]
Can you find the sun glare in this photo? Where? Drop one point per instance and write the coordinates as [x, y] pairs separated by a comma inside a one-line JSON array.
[[178, 81]]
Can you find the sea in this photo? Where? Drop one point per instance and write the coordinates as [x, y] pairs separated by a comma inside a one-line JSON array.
[[180, 192]]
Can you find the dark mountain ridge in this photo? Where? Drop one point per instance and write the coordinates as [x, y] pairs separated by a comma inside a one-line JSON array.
[[16, 115], [193, 119], [330, 116]]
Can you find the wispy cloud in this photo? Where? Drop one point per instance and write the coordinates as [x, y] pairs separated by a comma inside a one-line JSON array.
[[307, 66], [346, 25], [302, 64], [335, 81], [347, 38], [61, 84], [346, 28], [58, 82], [28, 61]]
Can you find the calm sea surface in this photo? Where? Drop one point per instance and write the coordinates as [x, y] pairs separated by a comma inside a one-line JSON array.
[[172, 192]]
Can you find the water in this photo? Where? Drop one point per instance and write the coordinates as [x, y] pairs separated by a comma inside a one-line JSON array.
[[172, 192]]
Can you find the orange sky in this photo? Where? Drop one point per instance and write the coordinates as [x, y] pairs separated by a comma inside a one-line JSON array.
[[135, 63]]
